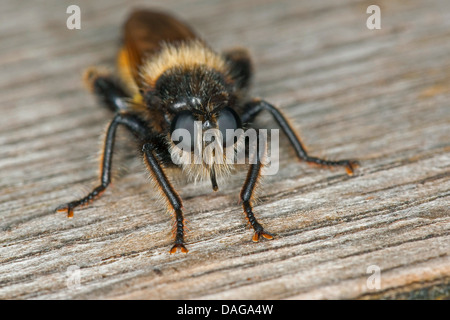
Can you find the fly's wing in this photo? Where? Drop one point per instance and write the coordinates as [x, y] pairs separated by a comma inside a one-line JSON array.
[[144, 32]]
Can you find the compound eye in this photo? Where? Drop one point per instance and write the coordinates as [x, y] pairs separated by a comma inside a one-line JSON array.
[[228, 120], [183, 138]]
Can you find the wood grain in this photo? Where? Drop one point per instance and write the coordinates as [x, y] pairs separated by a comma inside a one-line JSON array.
[[380, 96]]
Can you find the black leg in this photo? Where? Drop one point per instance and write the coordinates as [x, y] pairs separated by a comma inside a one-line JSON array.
[[106, 88], [253, 108], [247, 191], [113, 96], [173, 199], [132, 123]]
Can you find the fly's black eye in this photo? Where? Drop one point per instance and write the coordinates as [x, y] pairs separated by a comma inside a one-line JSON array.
[[228, 120], [183, 138]]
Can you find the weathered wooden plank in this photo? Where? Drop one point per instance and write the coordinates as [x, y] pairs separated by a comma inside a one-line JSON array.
[[380, 96]]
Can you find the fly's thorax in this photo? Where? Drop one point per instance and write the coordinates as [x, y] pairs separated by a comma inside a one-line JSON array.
[[182, 56], [187, 75], [196, 87]]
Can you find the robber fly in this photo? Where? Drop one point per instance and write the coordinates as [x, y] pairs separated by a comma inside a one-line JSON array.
[[169, 78]]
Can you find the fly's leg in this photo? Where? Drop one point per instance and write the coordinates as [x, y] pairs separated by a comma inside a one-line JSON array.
[[173, 199], [247, 192], [132, 123], [253, 108]]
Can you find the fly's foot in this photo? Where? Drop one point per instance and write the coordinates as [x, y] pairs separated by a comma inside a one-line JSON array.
[[68, 208], [177, 246], [350, 166], [258, 233]]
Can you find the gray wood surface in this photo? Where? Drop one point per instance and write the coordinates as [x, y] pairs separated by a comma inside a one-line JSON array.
[[381, 96]]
